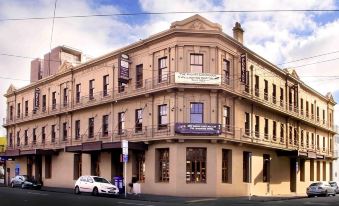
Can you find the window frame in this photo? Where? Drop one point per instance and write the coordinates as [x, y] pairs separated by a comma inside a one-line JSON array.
[[200, 164], [162, 70], [162, 112], [196, 64], [199, 112]]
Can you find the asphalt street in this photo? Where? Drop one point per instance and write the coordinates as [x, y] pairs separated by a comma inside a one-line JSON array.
[[24, 197]]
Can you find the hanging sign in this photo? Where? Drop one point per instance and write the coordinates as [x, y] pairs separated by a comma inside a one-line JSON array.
[[124, 68], [36, 98], [243, 67]]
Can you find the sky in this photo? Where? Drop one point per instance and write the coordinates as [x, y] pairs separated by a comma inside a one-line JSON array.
[[279, 37]]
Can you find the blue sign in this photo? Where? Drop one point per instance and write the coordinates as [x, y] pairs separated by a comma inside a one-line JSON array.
[[17, 169], [125, 158]]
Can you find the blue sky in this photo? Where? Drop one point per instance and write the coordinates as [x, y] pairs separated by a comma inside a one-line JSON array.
[[279, 37]]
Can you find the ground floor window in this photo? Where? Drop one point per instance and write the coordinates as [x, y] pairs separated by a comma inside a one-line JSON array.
[[247, 166], [141, 166], [163, 165], [77, 166], [318, 171], [48, 166], [324, 171], [311, 170], [196, 165], [331, 171], [226, 169], [266, 167], [302, 170]]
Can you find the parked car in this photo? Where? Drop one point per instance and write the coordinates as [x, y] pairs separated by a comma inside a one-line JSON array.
[[335, 186], [95, 185], [320, 188], [25, 181]]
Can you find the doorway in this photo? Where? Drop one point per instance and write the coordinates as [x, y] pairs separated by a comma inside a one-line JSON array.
[[293, 175], [38, 168]]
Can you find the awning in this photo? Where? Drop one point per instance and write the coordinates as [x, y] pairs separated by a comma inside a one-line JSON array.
[[99, 146]]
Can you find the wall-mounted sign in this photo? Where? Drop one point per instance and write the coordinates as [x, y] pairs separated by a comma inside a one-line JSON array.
[[124, 68], [198, 128], [197, 78], [36, 98], [243, 68]]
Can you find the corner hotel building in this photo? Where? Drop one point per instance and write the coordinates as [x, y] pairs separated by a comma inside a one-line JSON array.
[[203, 114]]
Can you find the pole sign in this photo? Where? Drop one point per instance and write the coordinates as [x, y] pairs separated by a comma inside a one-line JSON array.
[[124, 68], [243, 66], [36, 98]]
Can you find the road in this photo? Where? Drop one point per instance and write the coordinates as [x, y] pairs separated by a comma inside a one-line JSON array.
[[20, 197]]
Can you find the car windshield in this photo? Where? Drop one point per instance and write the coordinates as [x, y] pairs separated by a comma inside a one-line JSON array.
[[316, 184], [333, 184], [100, 179], [25, 177]]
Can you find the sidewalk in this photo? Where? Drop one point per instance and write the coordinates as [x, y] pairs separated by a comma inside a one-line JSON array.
[[187, 200]]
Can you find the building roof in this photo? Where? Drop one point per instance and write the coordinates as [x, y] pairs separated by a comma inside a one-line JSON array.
[[193, 24]]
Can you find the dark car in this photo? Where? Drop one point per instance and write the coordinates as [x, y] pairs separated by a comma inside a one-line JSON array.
[[335, 186], [320, 189], [25, 181]]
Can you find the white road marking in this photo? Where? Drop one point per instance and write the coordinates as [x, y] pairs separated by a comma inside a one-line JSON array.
[[201, 200], [130, 203], [36, 193]]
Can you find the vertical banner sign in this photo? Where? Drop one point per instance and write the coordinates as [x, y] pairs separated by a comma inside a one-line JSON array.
[[124, 146], [243, 67], [124, 68], [36, 98]]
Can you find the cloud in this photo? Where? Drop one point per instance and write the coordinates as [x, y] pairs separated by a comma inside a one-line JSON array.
[[279, 37]]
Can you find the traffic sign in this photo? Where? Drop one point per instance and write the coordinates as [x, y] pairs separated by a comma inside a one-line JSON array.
[[125, 151], [124, 144], [125, 158]]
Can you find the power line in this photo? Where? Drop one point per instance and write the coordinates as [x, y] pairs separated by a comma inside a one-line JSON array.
[[50, 43], [172, 12], [305, 58]]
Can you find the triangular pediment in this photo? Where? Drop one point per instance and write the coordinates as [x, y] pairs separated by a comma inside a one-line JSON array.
[[196, 22], [11, 89], [65, 66], [329, 96], [293, 73]]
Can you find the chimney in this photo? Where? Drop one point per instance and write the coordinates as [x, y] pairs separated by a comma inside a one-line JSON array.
[[238, 32]]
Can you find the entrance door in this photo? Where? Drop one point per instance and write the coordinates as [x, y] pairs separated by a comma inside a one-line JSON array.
[[293, 175], [29, 166], [8, 176], [95, 164], [116, 164], [38, 168]]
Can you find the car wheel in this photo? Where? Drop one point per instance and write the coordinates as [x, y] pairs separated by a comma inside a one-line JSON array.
[[22, 186], [12, 184], [334, 194], [326, 193], [95, 191], [77, 190]]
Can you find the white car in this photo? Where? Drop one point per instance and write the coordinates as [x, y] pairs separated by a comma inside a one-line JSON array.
[[95, 185]]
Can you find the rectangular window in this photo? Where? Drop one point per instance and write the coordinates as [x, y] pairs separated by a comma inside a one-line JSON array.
[[291, 135], [313, 141], [290, 100], [34, 136], [26, 137], [274, 93], [226, 66], [196, 63], [226, 167], [105, 83], [77, 166], [324, 119], [64, 129], [121, 123], [196, 165], [139, 76], [44, 103], [301, 106], [10, 139], [48, 166], [331, 171], [18, 110], [302, 138], [77, 93], [257, 126], [247, 167], [281, 97], [247, 124], [91, 127], [105, 125], [162, 116], [53, 133], [282, 132], [256, 85], [53, 100], [197, 112], [141, 166], [65, 97], [274, 131], [318, 114], [138, 120], [227, 119], [121, 87], [302, 170], [164, 165], [306, 108], [324, 144], [91, 89], [77, 129], [11, 113], [318, 171], [18, 138], [312, 111], [266, 168], [266, 128], [318, 142], [311, 170], [266, 90], [26, 108], [163, 70], [43, 135], [295, 140], [307, 139]]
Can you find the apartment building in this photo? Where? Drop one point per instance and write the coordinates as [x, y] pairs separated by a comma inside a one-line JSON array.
[[204, 116]]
